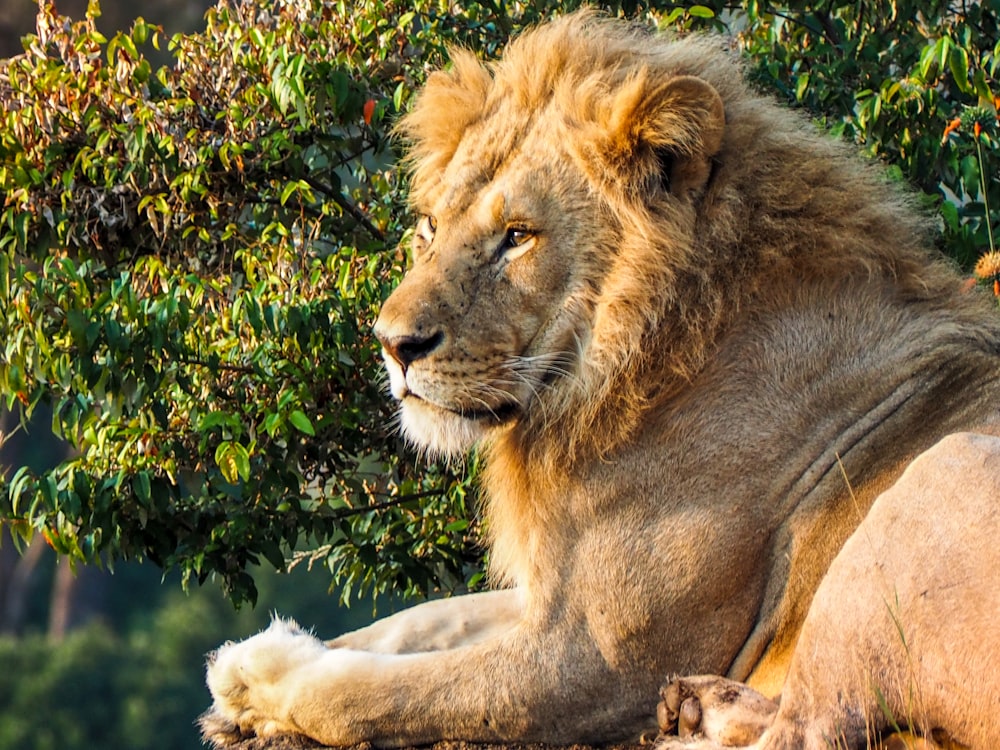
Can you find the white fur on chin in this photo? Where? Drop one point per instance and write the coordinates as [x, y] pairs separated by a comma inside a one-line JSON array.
[[438, 432]]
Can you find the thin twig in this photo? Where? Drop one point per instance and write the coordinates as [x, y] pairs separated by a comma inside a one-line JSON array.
[[241, 369], [391, 503], [341, 200]]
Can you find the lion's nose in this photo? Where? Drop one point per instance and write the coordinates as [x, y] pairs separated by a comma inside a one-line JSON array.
[[408, 349]]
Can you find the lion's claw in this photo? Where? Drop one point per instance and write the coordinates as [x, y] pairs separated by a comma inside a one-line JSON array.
[[222, 734]]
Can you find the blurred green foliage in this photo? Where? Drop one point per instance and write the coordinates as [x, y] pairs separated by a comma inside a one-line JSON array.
[[191, 258], [134, 681]]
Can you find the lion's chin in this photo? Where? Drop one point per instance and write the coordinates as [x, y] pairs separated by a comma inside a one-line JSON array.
[[441, 432]]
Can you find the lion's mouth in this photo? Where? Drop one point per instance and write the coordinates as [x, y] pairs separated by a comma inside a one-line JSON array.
[[499, 414]]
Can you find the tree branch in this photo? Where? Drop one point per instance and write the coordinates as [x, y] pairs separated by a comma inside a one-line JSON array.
[[391, 503], [349, 208]]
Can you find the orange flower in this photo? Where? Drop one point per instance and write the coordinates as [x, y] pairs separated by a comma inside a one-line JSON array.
[[977, 129], [952, 127], [988, 266], [369, 111]]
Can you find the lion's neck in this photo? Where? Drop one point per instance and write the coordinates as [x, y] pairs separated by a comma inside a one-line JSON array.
[[527, 494]]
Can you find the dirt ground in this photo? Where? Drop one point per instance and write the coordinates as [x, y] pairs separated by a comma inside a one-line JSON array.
[[223, 737]]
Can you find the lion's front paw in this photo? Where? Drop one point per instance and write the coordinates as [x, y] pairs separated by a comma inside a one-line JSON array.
[[249, 680], [716, 711]]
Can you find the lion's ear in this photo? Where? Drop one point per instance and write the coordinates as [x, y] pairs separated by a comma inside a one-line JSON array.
[[662, 131]]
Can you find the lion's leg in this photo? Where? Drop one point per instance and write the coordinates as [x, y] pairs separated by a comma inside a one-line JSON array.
[[533, 683], [430, 626], [902, 632], [439, 624]]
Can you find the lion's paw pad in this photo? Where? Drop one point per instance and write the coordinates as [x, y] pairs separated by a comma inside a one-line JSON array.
[[722, 712], [679, 710]]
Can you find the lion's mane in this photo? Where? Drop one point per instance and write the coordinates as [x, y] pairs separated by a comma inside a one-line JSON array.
[[782, 204]]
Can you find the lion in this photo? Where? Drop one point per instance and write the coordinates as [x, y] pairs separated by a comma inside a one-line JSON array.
[[693, 339]]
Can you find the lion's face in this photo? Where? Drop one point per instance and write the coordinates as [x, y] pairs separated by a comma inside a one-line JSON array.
[[494, 309], [536, 194]]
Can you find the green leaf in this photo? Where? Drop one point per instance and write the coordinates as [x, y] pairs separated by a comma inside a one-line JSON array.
[[140, 31], [287, 191], [272, 422], [301, 422], [928, 56], [21, 223], [944, 51], [19, 485], [242, 458], [272, 552], [4, 278], [339, 83], [225, 459], [801, 86], [215, 419], [141, 487], [970, 176], [949, 213], [958, 62]]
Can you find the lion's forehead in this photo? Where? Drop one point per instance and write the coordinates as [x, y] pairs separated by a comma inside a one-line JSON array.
[[521, 199], [500, 167], [481, 201], [461, 185]]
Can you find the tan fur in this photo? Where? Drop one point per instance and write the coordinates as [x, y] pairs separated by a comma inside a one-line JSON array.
[[902, 632], [672, 315]]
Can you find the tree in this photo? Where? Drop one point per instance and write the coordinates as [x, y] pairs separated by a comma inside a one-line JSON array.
[[191, 259]]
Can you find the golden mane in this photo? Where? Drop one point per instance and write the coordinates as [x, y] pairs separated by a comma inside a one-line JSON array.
[[782, 200]]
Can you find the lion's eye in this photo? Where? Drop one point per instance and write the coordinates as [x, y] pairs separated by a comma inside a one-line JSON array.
[[517, 237], [516, 243], [426, 228]]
